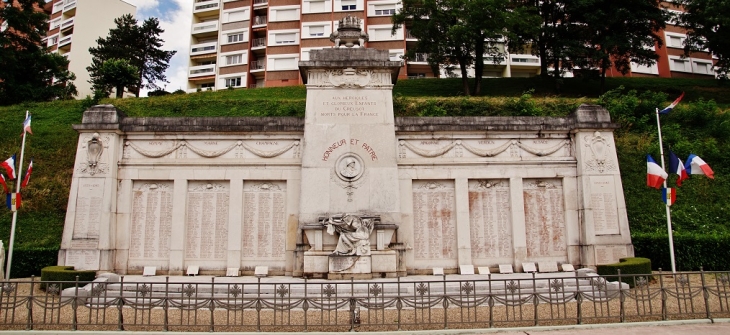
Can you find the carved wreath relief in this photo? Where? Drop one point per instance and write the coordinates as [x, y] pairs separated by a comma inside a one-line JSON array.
[[600, 150], [94, 149]]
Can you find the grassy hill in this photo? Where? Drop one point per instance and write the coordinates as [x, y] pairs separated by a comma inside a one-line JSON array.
[[700, 125]]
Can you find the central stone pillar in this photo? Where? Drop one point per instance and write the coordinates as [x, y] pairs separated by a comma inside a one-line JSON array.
[[349, 155]]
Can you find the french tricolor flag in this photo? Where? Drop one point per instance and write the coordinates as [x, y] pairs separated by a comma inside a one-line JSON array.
[[655, 175], [669, 196], [676, 166], [695, 165], [9, 165], [670, 107]]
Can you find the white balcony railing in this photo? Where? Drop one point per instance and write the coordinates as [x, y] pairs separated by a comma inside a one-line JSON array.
[[205, 27], [203, 48], [258, 3], [259, 21], [259, 42], [201, 70], [524, 60], [57, 7], [258, 65], [420, 58], [206, 5], [55, 24], [409, 35], [67, 23], [64, 41], [69, 5]]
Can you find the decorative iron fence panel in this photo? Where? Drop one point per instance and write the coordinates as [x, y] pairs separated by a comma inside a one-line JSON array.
[[377, 305]]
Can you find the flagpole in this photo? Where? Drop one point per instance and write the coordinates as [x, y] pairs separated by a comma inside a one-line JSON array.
[[15, 212], [669, 213]]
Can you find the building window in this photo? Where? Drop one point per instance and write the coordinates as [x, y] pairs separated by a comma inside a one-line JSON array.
[[674, 41], [240, 15], [316, 30], [289, 38], [291, 14], [233, 82], [207, 86], [679, 65], [234, 38], [384, 10], [234, 59], [702, 67], [316, 6], [349, 5]]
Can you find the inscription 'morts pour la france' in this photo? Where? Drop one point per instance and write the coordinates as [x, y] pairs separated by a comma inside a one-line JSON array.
[[349, 106]]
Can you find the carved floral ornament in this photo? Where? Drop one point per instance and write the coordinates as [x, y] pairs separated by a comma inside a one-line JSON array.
[[457, 145], [600, 148], [179, 146]]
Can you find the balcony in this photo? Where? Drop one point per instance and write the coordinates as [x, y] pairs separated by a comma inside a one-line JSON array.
[[205, 27], [67, 24], [259, 21], [257, 65], [420, 58], [57, 7], [524, 60], [260, 3], [201, 70], [410, 37], [202, 6], [64, 41], [258, 43], [69, 5], [203, 48]]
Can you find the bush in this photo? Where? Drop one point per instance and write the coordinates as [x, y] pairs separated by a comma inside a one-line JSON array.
[[692, 251], [67, 275], [630, 267], [29, 262]]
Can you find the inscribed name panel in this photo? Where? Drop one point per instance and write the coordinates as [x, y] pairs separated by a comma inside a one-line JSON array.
[[151, 220], [604, 205], [206, 226], [434, 220], [544, 218], [89, 201], [489, 219], [264, 220]]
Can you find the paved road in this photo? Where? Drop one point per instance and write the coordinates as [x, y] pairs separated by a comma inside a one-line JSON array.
[[691, 327]]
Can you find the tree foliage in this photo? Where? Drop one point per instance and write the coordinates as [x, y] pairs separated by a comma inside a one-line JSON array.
[[140, 45], [116, 74], [708, 28], [28, 72]]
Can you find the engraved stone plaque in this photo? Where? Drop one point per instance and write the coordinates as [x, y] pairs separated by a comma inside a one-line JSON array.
[[434, 220], [505, 268], [604, 205], [207, 221], [544, 218], [489, 218], [89, 199], [264, 223], [610, 254], [529, 267], [151, 221], [547, 266], [83, 259]]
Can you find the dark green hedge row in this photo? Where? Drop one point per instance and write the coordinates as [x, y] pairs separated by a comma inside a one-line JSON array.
[[629, 266], [691, 251], [29, 262], [65, 274]]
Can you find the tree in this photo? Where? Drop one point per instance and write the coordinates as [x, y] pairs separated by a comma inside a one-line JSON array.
[[615, 33], [708, 29], [140, 45], [28, 72], [116, 74], [456, 32]]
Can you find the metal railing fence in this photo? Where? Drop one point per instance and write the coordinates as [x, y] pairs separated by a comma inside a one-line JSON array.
[[382, 305]]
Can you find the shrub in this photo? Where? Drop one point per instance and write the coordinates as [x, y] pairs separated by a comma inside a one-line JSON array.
[[29, 262], [66, 275], [630, 267]]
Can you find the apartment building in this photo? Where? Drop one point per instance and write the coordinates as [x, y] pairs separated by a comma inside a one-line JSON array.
[[74, 27], [257, 43]]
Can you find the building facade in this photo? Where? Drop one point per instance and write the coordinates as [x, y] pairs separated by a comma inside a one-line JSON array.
[[257, 43], [73, 28]]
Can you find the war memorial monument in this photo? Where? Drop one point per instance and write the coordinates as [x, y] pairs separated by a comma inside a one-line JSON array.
[[348, 191]]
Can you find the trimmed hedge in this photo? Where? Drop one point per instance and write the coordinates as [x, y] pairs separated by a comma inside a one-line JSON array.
[[65, 274], [691, 251], [629, 266], [29, 262]]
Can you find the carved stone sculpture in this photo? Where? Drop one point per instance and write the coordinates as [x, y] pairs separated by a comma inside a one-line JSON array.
[[354, 233], [349, 33]]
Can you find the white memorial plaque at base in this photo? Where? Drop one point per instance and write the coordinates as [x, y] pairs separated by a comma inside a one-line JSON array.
[[149, 271], [83, 259], [610, 254], [232, 272], [529, 267], [466, 269], [438, 271], [193, 270], [568, 268], [505, 268], [483, 270], [549, 266], [261, 271]]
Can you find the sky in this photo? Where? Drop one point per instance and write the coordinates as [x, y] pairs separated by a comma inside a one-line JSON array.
[[175, 18]]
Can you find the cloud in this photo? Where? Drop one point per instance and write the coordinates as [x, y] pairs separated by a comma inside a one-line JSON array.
[[144, 5]]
